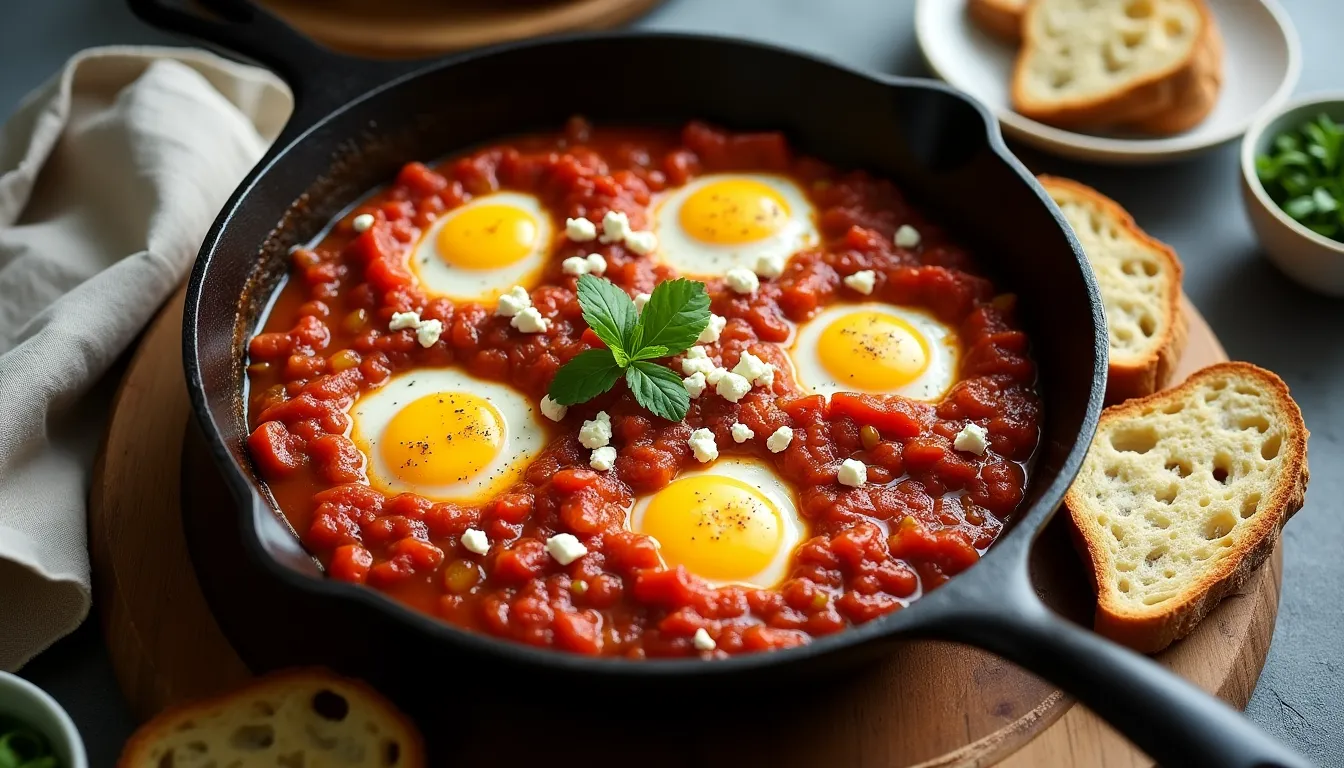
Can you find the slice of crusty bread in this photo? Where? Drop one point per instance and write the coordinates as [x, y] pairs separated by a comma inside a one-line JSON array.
[[1140, 279], [1195, 91], [1001, 18], [1104, 63], [1182, 495], [308, 718]]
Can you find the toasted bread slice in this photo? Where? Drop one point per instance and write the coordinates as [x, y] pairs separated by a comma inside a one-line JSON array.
[[1103, 63], [310, 718], [1196, 91], [1140, 279], [1001, 18], [1182, 495]]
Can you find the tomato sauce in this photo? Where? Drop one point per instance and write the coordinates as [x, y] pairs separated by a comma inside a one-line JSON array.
[[926, 513]]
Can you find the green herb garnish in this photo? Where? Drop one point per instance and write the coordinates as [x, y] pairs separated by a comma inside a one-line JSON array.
[[675, 315], [22, 747], [1304, 175]]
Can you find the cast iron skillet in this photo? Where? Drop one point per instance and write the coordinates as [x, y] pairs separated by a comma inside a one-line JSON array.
[[356, 122]]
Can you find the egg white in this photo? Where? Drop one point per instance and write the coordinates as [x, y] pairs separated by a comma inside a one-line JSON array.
[[763, 478], [440, 278], [524, 435], [690, 256], [942, 341]]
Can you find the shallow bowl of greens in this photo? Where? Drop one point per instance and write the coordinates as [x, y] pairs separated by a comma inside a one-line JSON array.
[[1292, 167], [34, 731]]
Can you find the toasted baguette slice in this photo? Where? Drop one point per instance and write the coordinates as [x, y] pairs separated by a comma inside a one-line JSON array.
[[1103, 63], [1001, 18], [1140, 279], [1195, 91], [310, 718], [1182, 495]]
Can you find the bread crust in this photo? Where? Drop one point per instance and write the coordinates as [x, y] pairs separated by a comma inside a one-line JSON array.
[[1126, 380], [1152, 629], [1196, 92], [1000, 18], [1143, 102]]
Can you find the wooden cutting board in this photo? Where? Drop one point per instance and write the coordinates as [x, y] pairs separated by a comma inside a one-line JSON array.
[[930, 704]]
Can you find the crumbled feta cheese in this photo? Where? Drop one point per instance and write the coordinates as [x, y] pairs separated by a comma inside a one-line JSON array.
[[766, 380], [779, 439], [972, 438], [702, 640], [770, 265], [642, 243], [696, 361], [427, 332], [712, 331], [513, 302], [596, 264], [742, 433], [754, 369], [362, 222], [862, 281], [575, 265], [402, 320], [853, 473], [732, 387], [703, 445], [580, 230], [603, 458], [641, 299], [530, 321], [476, 541], [695, 384], [742, 280], [596, 433], [553, 410], [615, 227], [715, 376], [565, 548], [907, 236]]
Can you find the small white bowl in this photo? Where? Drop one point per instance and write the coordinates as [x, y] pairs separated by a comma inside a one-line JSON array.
[[1315, 261], [32, 706]]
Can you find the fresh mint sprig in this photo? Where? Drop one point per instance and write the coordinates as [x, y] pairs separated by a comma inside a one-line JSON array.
[[675, 315]]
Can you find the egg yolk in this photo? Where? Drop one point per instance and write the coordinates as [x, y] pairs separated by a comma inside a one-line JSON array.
[[873, 351], [487, 236], [719, 528], [733, 212], [443, 438]]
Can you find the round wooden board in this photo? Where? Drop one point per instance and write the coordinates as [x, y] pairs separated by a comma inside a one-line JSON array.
[[415, 28], [930, 704]]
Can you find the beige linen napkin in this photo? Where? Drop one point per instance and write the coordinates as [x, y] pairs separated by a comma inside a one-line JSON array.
[[109, 177]]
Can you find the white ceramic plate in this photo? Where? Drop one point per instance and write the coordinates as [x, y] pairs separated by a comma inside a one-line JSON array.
[[1261, 62]]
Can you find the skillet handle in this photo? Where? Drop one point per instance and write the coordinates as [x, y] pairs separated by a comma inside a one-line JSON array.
[[1173, 721]]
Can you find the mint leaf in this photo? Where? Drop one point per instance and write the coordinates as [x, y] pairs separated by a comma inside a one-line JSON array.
[[588, 375], [678, 310], [658, 390], [651, 353], [611, 314]]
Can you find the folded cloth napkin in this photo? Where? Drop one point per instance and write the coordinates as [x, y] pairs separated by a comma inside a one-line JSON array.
[[110, 175]]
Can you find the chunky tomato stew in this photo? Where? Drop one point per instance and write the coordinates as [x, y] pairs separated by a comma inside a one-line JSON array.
[[872, 443]]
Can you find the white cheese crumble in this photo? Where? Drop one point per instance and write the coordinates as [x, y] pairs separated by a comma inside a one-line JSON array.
[[732, 387], [770, 265], [907, 236], [475, 541], [715, 375], [754, 370], [742, 433], [702, 640], [603, 458], [513, 302], [972, 438], [553, 410], [596, 432], [703, 445], [696, 361], [742, 280], [694, 384], [642, 243], [862, 281], [712, 331], [779, 439], [596, 264], [565, 548], [592, 264], [615, 227], [853, 473], [427, 332], [580, 230], [530, 321], [402, 320], [362, 222], [641, 299]]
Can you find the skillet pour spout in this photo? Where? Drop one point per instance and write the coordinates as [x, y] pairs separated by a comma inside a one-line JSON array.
[[356, 122]]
